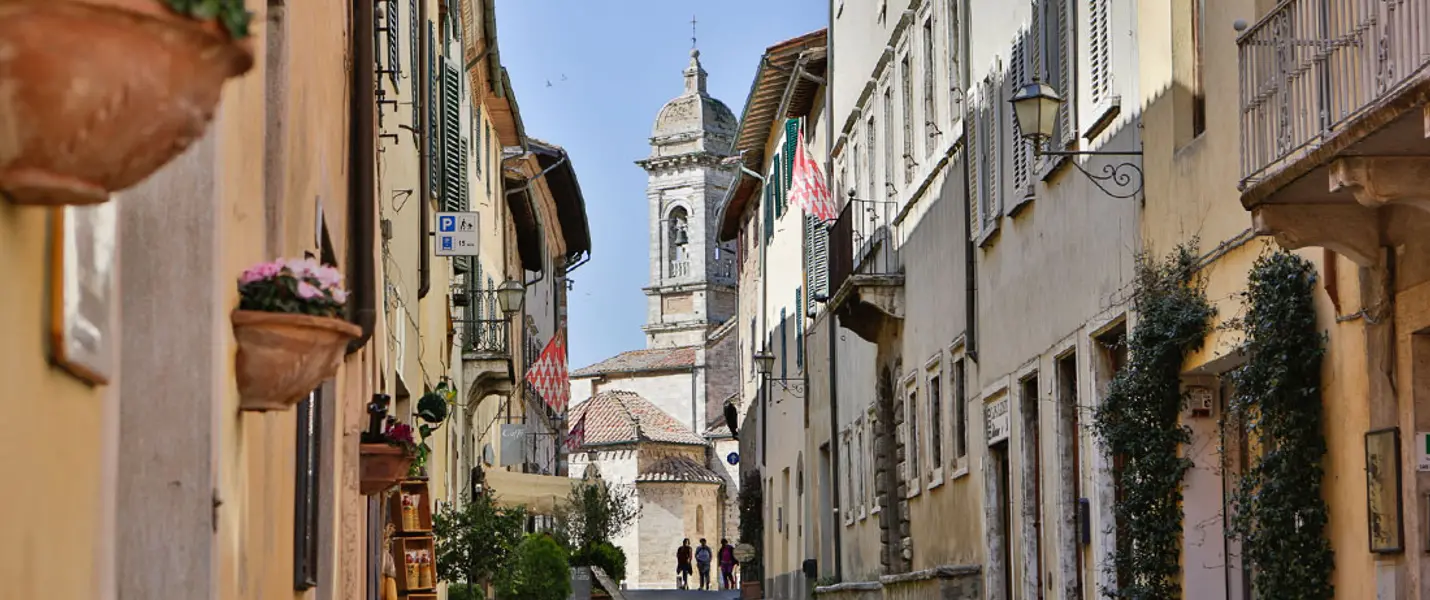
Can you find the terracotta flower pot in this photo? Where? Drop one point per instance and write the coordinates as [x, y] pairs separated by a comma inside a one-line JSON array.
[[283, 356], [751, 590], [381, 466], [99, 94]]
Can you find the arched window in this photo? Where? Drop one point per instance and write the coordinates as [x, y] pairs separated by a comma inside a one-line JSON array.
[[678, 237], [700, 520]]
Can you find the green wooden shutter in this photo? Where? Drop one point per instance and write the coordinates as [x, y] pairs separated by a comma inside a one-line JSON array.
[[799, 328], [414, 55], [394, 60], [477, 134], [434, 119], [453, 151], [778, 177], [769, 211], [791, 138], [816, 262]]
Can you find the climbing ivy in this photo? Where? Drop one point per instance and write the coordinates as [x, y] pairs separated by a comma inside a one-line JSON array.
[[1280, 514], [231, 14], [1138, 422]]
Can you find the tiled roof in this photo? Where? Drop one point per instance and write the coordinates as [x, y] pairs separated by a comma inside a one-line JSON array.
[[619, 417], [635, 361], [678, 469]]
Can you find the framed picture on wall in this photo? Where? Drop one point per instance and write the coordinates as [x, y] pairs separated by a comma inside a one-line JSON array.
[[1382, 473], [82, 281]]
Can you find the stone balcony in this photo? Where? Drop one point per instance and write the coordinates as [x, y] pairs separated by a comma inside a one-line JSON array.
[[865, 274], [1335, 129]]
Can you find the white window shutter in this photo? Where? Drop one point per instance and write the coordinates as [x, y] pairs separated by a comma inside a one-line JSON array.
[[997, 147], [1020, 152], [976, 153], [1065, 58], [1100, 47]]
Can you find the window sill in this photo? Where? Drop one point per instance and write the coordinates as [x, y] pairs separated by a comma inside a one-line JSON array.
[[960, 472], [862, 513], [1103, 116], [935, 479], [914, 490]]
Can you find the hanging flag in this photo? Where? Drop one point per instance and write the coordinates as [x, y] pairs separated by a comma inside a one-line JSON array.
[[548, 374], [807, 188], [577, 436]]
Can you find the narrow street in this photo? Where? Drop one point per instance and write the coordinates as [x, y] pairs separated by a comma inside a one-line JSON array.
[[680, 595]]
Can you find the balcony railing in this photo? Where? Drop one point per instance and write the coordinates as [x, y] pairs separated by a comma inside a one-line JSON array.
[[1311, 66], [486, 336], [862, 242], [680, 268]]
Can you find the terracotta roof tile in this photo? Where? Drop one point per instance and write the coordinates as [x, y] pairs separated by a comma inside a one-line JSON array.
[[678, 469], [635, 361], [620, 417]]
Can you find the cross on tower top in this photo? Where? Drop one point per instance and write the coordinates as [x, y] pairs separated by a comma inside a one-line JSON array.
[[692, 32]]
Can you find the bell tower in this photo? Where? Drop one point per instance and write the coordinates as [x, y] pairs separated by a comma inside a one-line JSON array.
[[692, 276]]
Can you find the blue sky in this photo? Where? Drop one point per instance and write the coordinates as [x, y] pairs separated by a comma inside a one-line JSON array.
[[612, 64]]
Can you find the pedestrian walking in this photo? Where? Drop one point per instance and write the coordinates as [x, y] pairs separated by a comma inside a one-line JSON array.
[[727, 565], [702, 562], [682, 565]]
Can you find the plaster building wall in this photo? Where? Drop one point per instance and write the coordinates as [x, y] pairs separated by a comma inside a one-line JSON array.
[[1191, 192], [617, 466], [669, 513], [672, 391]]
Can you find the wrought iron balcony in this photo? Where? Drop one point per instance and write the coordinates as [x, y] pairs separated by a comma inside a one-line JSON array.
[[1321, 76], [486, 337], [862, 242]]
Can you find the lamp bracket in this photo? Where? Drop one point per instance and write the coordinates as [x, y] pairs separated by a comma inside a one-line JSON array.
[[1118, 176]]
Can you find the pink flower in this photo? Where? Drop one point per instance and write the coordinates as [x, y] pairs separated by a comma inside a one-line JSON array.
[[302, 267], [329, 277], [306, 291], [340, 295], [260, 272]]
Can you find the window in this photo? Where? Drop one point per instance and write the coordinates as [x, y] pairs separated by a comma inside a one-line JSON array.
[[862, 459], [956, 86], [700, 520], [889, 186], [477, 136], [935, 385], [906, 100], [677, 237], [817, 262], [1032, 450], [871, 423], [986, 156], [1019, 68], [1099, 17], [391, 23], [1199, 94], [930, 103], [413, 74], [1056, 63], [870, 165], [487, 156], [913, 443], [1070, 450], [960, 407], [777, 178], [798, 329], [848, 495], [309, 475], [753, 335]]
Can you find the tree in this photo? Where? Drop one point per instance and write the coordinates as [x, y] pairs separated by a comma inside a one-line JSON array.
[[595, 513], [539, 571], [477, 540], [752, 524]]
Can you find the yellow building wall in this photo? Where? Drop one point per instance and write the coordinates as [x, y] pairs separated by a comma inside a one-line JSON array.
[[53, 512], [1191, 191]]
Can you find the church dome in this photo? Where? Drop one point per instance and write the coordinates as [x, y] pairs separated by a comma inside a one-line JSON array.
[[693, 121]]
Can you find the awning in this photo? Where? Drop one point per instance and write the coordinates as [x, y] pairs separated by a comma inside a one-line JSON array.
[[538, 493]]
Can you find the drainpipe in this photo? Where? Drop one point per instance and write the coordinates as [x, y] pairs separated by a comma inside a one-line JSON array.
[[970, 269], [424, 262], [833, 320], [362, 205]]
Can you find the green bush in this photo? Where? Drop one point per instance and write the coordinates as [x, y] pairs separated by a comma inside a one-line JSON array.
[[540, 571], [611, 559], [464, 591]]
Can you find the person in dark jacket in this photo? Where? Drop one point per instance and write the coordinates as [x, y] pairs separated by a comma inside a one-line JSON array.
[[682, 565]]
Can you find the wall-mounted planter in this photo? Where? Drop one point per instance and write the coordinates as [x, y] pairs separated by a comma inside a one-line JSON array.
[[381, 466], [99, 94], [284, 356]]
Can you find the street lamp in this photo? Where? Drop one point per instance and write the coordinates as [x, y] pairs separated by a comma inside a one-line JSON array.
[[764, 363], [1035, 106], [510, 296]]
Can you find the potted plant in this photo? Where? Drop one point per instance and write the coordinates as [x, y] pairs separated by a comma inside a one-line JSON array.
[[432, 408], [385, 457], [290, 336], [101, 93]]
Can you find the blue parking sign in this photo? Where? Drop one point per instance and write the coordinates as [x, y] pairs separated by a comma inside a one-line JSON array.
[[447, 224], [447, 242]]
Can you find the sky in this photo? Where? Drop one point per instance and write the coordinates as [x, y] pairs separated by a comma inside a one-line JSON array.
[[610, 66]]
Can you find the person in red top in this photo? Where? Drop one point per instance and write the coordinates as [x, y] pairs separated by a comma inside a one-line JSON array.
[[682, 565], [727, 565]]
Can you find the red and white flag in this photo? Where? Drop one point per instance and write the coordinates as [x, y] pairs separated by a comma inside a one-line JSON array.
[[548, 375], [577, 436], [807, 189]]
